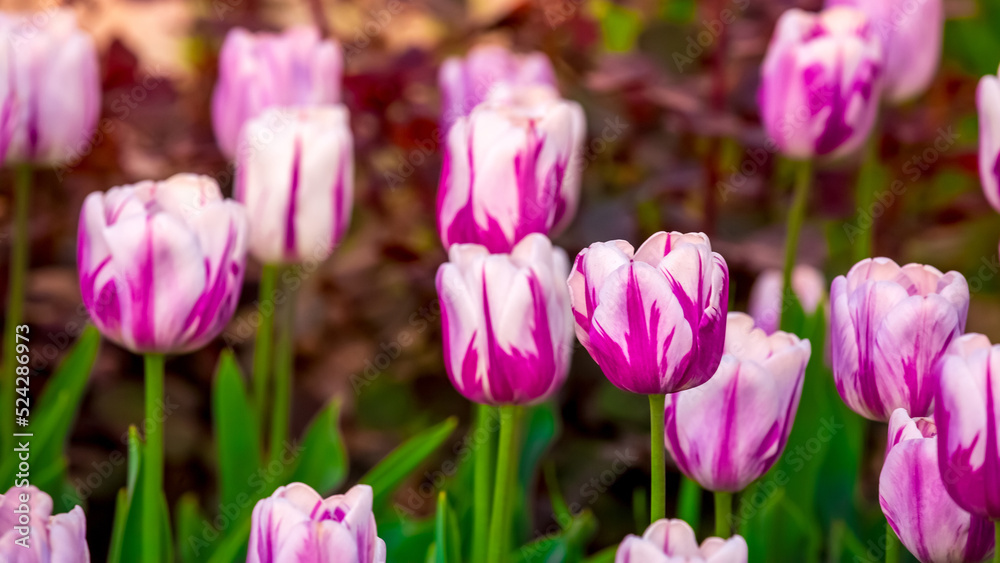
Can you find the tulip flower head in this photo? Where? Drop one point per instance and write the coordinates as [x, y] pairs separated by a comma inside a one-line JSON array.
[[506, 321], [889, 325], [464, 83], [729, 431], [988, 103], [911, 33], [916, 504], [821, 82], [262, 70], [673, 541], [653, 319], [55, 538], [297, 524], [52, 72], [161, 263], [511, 168], [766, 297], [968, 422], [295, 174]]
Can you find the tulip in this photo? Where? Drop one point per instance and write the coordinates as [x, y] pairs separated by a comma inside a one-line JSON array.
[[988, 102], [911, 32], [506, 321], [510, 169], [464, 83], [261, 70], [673, 541], [59, 538], [916, 504], [297, 524], [161, 263], [968, 420], [821, 82], [654, 320], [766, 296], [54, 78], [732, 429], [889, 325], [296, 178]]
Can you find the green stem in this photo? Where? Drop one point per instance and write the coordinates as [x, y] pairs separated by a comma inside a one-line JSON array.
[[796, 217], [723, 514], [865, 194], [482, 441], [892, 545], [264, 345], [996, 547], [657, 454], [152, 460], [689, 502], [507, 460], [15, 299], [284, 360]]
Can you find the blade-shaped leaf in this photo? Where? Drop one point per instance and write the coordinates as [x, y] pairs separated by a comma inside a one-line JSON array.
[[385, 477], [322, 457], [236, 435]]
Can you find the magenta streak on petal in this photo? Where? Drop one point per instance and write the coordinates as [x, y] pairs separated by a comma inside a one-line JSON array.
[[726, 465], [463, 376], [216, 301], [534, 201], [693, 313], [32, 117], [589, 292], [339, 220], [293, 200], [557, 176], [991, 465], [838, 130], [672, 424], [864, 334], [142, 293], [996, 175], [981, 537], [916, 486]]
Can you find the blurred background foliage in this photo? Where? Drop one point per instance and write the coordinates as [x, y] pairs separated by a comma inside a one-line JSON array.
[[674, 143]]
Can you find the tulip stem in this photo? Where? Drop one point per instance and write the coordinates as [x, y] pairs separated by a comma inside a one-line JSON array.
[[689, 502], [284, 361], [15, 299], [796, 217], [996, 547], [865, 194], [483, 444], [503, 490], [723, 513], [892, 545], [152, 462], [657, 454], [264, 344]]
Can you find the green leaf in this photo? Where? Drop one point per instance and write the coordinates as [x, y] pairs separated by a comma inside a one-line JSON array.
[[189, 518], [559, 507], [230, 547], [385, 477], [118, 528], [564, 546], [620, 26], [689, 502], [447, 542], [323, 459], [237, 437], [606, 555]]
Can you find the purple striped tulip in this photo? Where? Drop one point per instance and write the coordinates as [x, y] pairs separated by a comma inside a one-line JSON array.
[[161, 263], [297, 524], [968, 417], [673, 541], [295, 174], [511, 168], [262, 70], [766, 297], [653, 319], [506, 321], [889, 325], [916, 504], [911, 32], [464, 83], [988, 102], [821, 82], [55, 81], [30, 533], [730, 430]]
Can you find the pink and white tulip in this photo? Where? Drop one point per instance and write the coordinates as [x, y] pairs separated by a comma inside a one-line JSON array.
[[466, 82], [30, 533], [911, 32], [729, 431], [673, 541], [297, 524], [295, 174], [506, 321], [262, 70], [161, 263], [54, 77], [511, 168], [968, 421], [653, 319], [767, 295], [889, 326], [821, 82], [917, 506], [988, 103]]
